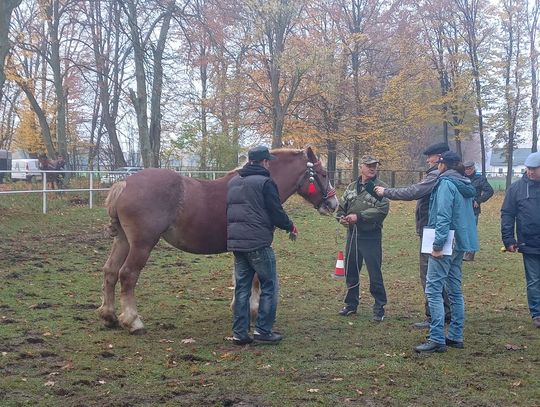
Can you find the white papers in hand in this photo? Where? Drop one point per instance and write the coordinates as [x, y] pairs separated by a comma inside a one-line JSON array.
[[428, 237]]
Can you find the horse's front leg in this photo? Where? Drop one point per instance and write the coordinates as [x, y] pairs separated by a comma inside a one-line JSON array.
[[253, 299], [119, 252], [129, 274]]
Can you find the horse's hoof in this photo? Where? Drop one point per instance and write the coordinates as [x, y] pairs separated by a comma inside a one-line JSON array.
[[113, 324], [140, 331]]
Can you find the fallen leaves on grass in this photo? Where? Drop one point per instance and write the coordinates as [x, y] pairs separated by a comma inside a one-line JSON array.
[[230, 356], [68, 365], [510, 346], [517, 383]]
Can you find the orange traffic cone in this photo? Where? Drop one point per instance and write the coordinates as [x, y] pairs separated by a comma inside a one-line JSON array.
[[340, 270]]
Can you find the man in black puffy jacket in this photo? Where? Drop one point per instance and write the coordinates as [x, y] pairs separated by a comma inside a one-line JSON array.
[[253, 211], [521, 211], [484, 191]]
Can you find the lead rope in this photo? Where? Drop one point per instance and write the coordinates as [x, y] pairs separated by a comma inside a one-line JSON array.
[[354, 237]]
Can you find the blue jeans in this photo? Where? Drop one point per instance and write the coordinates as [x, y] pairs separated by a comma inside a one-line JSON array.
[[445, 272], [531, 263], [246, 264]]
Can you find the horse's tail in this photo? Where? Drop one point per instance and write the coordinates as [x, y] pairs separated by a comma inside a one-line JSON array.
[[110, 203]]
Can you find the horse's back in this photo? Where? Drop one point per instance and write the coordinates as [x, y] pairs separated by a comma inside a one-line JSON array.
[[152, 190], [190, 214]]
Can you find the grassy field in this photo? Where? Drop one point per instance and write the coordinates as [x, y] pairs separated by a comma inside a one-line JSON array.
[[54, 351]]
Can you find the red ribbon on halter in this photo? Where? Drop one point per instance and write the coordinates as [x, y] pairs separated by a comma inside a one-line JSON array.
[[311, 188]]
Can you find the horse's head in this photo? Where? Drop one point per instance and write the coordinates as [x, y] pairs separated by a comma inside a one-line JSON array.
[[315, 187], [300, 171]]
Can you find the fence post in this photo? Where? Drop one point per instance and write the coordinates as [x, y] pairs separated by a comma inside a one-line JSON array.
[[393, 179], [91, 197], [44, 179]]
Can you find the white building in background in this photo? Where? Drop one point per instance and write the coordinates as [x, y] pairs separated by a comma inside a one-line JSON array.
[[498, 163]]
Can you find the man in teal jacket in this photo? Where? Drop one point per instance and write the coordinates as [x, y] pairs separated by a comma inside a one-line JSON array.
[[450, 208]]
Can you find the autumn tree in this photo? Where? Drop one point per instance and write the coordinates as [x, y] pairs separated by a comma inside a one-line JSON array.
[[148, 50], [278, 66], [474, 23], [509, 118], [28, 134], [103, 22]]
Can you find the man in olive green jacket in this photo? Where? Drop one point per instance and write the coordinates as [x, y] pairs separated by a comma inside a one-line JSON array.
[[363, 213]]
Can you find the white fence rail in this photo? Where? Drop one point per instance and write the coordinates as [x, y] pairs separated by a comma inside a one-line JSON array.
[[93, 182]]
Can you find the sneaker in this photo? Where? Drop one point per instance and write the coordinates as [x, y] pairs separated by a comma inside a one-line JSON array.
[[536, 322], [346, 311], [454, 344], [272, 337], [430, 347], [377, 318], [422, 325], [242, 341]]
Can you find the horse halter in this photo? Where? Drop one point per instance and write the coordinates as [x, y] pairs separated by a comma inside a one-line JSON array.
[[312, 177]]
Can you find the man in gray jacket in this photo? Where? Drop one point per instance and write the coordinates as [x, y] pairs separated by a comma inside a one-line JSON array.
[[422, 192], [484, 191]]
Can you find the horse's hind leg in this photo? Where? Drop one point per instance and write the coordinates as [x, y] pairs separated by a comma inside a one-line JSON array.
[[119, 252], [129, 274]]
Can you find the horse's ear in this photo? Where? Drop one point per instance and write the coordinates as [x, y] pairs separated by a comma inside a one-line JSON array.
[[311, 155]]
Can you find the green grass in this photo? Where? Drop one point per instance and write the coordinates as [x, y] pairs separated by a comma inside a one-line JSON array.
[[54, 350]]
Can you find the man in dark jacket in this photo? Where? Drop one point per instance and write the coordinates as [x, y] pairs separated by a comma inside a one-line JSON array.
[[484, 191], [253, 211], [363, 215], [521, 211], [422, 193]]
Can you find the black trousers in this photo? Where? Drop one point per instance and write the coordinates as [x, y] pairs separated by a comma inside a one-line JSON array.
[[357, 251]]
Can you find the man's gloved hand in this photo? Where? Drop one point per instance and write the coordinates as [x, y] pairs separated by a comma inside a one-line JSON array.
[[293, 234]]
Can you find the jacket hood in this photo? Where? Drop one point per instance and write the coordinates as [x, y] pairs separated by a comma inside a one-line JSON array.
[[527, 179], [253, 169], [462, 183]]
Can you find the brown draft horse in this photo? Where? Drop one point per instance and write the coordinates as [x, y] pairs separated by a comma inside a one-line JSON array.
[[53, 178], [190, 214]]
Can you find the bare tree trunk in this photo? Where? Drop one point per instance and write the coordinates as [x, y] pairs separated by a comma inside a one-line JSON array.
[[203, 70], [139, 98], [331, 164], [45, 129], [532, 26], [6, 8], [53, 21], [457, 139], [106, 83], [157, 86], [512, 79]]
